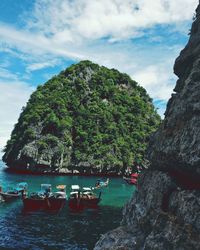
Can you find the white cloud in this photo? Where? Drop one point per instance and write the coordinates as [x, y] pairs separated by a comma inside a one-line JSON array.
[[157, 81], [68, 21], [14, 95], [67, 28], [33, 44], [41, 65], [4, 73]]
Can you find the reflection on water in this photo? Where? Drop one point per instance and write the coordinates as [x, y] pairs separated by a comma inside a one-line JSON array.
[[65, 230]]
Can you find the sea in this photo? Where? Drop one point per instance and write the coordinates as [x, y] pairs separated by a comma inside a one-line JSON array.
[[65, 230]]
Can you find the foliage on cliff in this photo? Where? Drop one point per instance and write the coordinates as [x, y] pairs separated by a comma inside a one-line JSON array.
[[88, 115]]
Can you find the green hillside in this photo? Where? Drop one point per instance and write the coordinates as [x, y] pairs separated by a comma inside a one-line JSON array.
[[87, 118]]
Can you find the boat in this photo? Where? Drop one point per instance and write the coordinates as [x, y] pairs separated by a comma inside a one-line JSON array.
[[90, 199], [75, 202], [45, 200], [100, 184], [13, 193], [132, 180], [83, 199]]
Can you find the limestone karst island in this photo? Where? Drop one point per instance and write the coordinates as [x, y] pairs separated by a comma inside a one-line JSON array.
[[90, 159], [87, 119]]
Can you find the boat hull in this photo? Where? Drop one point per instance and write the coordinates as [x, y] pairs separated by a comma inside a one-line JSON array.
[[130, 181], [9, 197], [81, 204], [46, 205]]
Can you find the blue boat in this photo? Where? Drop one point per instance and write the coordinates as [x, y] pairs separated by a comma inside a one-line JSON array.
[[13, 193], [100, 184]]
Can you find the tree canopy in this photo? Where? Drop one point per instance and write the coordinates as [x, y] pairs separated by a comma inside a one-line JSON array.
[[87, 113]]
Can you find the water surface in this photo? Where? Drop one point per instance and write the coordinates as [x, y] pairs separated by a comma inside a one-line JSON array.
[[65, 230]]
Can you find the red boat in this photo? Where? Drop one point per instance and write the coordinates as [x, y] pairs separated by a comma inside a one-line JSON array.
[[132, 180], [86, 199], [45, 200]]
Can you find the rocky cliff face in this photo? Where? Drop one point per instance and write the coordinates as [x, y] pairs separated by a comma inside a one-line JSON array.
[[164, 213], [176, 145]]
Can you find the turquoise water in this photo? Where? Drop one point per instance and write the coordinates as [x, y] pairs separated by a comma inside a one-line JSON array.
[[65, 230]]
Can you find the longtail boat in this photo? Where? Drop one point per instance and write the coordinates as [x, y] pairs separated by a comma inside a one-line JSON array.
[[100, 184], [45, 200], [132, 180], [13, 193], [83, 199]]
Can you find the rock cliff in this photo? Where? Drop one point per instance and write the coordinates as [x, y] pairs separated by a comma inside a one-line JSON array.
[[88, 119], [164, 213]]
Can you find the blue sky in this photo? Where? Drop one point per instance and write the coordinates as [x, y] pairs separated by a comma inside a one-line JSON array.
[[39, 38]]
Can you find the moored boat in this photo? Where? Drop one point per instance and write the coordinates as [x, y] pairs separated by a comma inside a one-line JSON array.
[[45, 200], [13, 193], [90, 199], [100, 184], [132, 180], [80, 200], [75, 203]]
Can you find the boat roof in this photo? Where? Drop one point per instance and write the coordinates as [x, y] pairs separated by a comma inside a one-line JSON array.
[[61, 186], [134, 175], [22, 184], [87, 189], [74, 192], [89, 192], [45, 186], [75, 187]]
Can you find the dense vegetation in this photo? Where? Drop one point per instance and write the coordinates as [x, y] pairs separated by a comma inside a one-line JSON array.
[[87, 116]]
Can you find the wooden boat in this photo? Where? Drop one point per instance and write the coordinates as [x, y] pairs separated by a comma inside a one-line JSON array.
[[45, 200], [80, 200], [74, 201], [132, 180], [90, 199], [13, 193], [100, 184]]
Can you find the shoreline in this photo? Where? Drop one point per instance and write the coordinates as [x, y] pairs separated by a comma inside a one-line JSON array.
[[29, 172]]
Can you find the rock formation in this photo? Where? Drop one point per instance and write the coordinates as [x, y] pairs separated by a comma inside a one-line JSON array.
[[89, 119], [164, 213]]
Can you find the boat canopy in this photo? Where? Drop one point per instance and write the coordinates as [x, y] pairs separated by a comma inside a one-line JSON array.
[[86, 189], [74, 192], [61, 186], [45, 187], [135, 175], [21, 186], [75, 187]]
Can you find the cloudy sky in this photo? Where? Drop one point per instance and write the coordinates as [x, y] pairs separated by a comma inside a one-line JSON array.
[[39, 38]]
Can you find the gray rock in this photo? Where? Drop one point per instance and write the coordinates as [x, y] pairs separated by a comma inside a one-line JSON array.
[[118, 239], [177, 143], [159, 216]]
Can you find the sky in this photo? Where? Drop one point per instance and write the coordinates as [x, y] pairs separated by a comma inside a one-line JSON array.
[[40, 38]]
